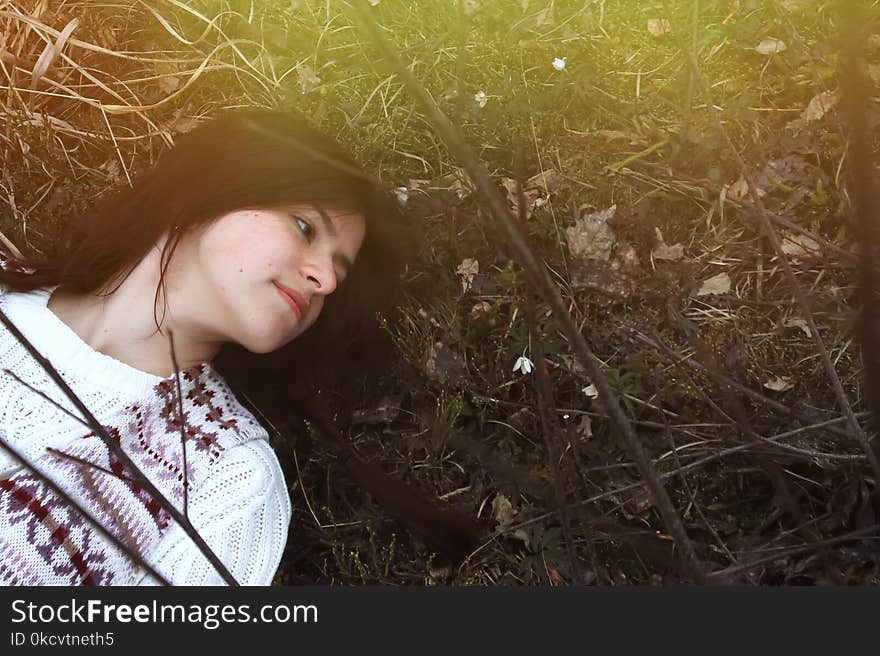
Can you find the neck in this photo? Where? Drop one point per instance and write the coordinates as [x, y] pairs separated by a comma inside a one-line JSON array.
[[122, 325]]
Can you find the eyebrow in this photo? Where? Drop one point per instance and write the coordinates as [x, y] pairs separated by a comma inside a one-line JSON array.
[[340, 258]]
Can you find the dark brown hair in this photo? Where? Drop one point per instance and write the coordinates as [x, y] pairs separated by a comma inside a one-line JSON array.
[[264, 158], [245, 158]]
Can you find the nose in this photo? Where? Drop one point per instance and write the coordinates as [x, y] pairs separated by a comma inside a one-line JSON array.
[[320, 273]]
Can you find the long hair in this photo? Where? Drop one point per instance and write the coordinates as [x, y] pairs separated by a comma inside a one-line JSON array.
[[225, 165]]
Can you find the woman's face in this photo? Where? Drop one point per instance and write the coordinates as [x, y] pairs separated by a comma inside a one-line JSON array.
[[262, 275]]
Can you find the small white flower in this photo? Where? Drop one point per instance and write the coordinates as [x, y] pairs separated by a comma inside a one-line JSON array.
[[523, 364], [558, 63], [402, 194], [481, 98], [591, 391]]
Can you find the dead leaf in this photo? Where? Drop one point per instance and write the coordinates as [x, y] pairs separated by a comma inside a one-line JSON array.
[[480, 310], [659, 26], [719, 284], [520, 534], [799, 246], [503, 510], [168, 84], [591, 237], [555, 577], [664, 251], [779, 384], [585, 428], [546, 182], [820, 105], [739, 189], [531, 197], [797, 322], [770, 46], [468, 268]]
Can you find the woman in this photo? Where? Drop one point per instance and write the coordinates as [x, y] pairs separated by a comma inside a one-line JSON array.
[[250, 230]]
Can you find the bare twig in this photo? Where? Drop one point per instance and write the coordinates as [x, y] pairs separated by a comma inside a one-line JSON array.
[[181, 422], [549, 426], [135, 557], [856, 98], [542, 282], [117, 450], [767, 225], [847, 537], [691, 465], [679, 358], [91, 465]]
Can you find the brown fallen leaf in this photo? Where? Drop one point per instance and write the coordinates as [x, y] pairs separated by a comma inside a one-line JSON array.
[[591, 237], [820, 105], [738, 190], [771, 46], [555, 577], [468, 269], [503, 510], [779, 384], [718, 284], [798, 246], [797, 322], [664, 251]]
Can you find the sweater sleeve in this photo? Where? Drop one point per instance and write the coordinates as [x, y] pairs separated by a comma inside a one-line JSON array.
[[242, 510]]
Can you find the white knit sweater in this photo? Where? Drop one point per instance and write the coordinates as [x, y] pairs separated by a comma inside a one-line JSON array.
[[238, 498]]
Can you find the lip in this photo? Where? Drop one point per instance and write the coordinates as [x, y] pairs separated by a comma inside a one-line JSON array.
[[294, 300]]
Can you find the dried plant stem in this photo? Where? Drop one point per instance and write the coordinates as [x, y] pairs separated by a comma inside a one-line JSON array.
[[117, 450], [540, 279], [135, 557], [675, 472], [181, 421], [549, 426], [767, 225], [681, 359]]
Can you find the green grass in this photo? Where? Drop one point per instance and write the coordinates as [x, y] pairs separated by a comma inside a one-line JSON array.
[[625, 123]]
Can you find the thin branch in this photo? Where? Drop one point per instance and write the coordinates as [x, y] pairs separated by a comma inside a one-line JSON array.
[[540, 279], [767, 225], [679, 358], [181, 422], [85, 463], [742, 567], [117, 450], [135, 557], [675, 472], [549, 427]]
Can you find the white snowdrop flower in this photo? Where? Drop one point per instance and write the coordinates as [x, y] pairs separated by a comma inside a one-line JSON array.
[[523, 364], [402, 194], [558, 63], [591, 391], [481, 98]]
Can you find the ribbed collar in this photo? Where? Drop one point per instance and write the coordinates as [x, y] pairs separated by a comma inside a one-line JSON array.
[[69, 354]]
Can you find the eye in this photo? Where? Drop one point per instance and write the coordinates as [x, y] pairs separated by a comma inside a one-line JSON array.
[[305, 227]]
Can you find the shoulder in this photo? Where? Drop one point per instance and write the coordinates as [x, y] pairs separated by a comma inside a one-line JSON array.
[[247, 474]]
